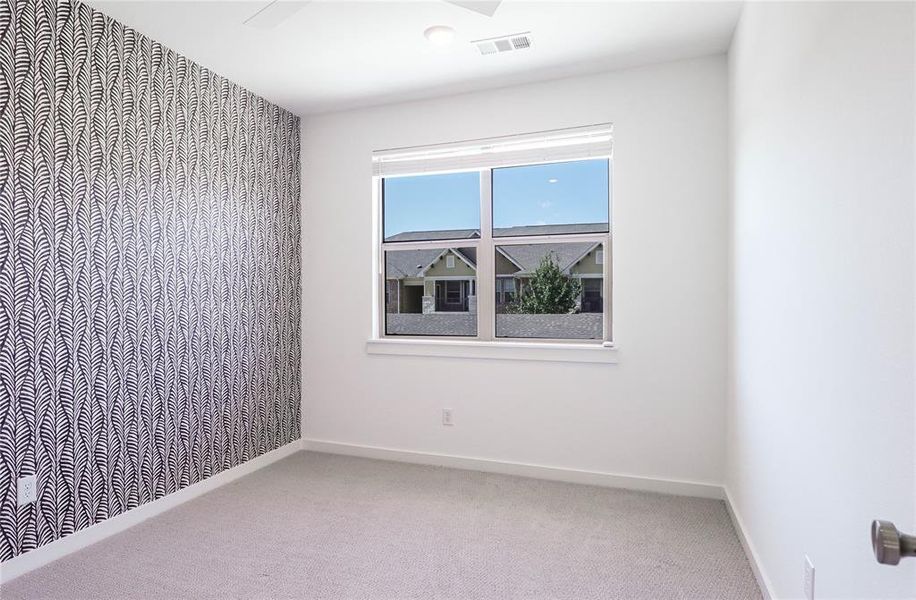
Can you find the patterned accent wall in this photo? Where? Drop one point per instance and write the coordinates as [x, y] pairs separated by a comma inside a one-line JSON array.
[[149, 271]]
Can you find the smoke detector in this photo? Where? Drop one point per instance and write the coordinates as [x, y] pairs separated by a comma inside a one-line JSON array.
[[505, 43], [440, 35]]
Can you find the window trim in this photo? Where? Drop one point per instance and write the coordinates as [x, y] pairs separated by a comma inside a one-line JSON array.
[[469, 346], [462, 347], [557, 145]]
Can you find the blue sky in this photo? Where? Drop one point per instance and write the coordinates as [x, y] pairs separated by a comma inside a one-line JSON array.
[[432, 202], [571, 192]]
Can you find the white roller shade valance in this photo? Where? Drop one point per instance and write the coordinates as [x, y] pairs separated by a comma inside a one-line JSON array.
[[594, 141]]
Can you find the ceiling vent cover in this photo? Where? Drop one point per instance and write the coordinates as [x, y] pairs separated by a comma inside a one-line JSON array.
[[505, 43]]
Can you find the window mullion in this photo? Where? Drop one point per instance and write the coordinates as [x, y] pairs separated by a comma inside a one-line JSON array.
[[486, 261]]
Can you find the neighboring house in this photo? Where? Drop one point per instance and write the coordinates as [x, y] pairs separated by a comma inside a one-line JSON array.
[[433, 281], [427, 281]]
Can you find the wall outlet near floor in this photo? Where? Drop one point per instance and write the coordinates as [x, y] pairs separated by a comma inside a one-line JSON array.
[[26, 490], [809, 578], [447, 417]]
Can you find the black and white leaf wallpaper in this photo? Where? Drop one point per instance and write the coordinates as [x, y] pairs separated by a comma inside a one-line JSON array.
[[149, 271]]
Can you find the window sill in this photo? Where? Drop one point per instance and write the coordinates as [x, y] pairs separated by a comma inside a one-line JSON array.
[[541, 351]]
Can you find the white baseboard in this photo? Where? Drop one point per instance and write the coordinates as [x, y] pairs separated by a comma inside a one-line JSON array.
[[763, 582], [78, 540], [632, 482]]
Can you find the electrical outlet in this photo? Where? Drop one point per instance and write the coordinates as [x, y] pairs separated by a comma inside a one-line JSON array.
[[26, 490], [809, 578], [447, 417]]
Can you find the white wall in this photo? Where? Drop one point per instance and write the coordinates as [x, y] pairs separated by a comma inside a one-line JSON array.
[[661, 411], [821, 420]]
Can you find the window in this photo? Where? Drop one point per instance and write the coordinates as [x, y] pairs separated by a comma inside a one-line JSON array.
[[560, 292], [431, 207], [497, 240], [427, 298], [505, 293], [553, 198]]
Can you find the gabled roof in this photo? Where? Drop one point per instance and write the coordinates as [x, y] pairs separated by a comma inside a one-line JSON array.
[[408, 263], [414, 263], [469, 255], [401, 264], [457, 252], [529, 256]]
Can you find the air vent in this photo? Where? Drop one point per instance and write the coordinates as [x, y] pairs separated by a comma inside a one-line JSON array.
[[521, 42], [505, 43]]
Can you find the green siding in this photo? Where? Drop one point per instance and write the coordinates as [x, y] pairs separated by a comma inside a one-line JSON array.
[[588, 266], [504, 266], [439, 269]]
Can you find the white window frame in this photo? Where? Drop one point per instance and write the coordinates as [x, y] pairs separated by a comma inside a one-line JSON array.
[[486, 344]]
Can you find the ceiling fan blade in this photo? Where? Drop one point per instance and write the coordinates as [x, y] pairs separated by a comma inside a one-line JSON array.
[[274, 13], [483, 7]]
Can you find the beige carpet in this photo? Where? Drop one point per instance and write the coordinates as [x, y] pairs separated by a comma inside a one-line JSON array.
[[323, 526]]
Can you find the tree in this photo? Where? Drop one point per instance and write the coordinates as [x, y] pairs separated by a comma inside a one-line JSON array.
[[548, 292]]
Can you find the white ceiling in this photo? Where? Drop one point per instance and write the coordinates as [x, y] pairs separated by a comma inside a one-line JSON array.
[[332, 55]]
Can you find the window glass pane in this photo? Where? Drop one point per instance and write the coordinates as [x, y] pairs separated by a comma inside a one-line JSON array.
[[431, 207], [557, 291], [427, 297], [568, 197]]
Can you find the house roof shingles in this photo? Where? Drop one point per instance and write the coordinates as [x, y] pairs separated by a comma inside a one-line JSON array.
[[529, 256], [408, 263], [518, 230], [411, 263], [440, 234], [522, 230], [401, 264]]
